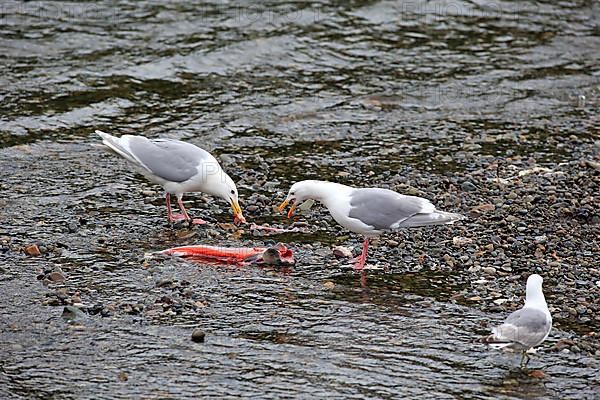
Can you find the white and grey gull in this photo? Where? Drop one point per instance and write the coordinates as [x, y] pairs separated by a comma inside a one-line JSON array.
[[179, 167], [527, 327], [368, 211]]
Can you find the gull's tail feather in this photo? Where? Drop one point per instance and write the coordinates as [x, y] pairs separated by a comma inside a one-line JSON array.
[[504, 337], [495, 341], [113, 143], [433, 218]]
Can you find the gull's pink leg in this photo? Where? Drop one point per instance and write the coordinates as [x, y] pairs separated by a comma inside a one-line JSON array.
[[195, 221], [169, 213], [360, 262], [170, 216]]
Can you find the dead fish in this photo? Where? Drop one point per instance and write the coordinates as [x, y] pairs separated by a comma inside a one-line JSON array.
[[275, 255]]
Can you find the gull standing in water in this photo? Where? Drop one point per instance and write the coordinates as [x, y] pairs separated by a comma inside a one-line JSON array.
[[368, 211], [525, 328], [179, 167]]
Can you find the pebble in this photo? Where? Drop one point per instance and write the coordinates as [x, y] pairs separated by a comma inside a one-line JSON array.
[[32, 250], [164, 282], [449, 260], [71, 313], [489, 270], [537, 374], [468, 186], [483, 208], [461, 241], [342, 252], [540, 239], [198, 335], [329, 285], [123, 377], [55, 276]]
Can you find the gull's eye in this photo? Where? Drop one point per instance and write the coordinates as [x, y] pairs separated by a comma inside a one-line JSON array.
[[291, 193], [232, 191]]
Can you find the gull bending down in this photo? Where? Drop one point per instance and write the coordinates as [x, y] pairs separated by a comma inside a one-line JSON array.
[[179, 167], [368, 211]]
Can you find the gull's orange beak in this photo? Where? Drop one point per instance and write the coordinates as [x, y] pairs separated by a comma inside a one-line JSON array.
[[283, 205], [237, 213]]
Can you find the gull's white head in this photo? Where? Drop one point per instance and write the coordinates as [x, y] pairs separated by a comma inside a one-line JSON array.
[[299, 192], [534, 295], [220, 184]]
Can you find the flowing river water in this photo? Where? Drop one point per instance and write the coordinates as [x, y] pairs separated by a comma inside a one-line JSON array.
[[356, 91]]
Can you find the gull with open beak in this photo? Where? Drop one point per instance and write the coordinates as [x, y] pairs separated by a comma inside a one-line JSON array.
[[179, 167], [368, 211]]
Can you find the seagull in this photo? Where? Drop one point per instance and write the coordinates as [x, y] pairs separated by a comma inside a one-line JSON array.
[[179, 167], [368, 211], [527, 327]]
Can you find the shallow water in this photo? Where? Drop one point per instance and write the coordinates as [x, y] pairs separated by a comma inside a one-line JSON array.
[[357, 92]]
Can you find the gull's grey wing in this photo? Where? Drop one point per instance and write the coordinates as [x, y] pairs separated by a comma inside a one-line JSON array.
[[169, 159], [526, 327], [382, 208]]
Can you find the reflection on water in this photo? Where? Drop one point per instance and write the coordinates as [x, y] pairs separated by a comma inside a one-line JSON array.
[[336, 90]]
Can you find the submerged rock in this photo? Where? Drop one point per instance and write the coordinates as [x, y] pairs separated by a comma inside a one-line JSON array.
[[198, 335], [71, 313]]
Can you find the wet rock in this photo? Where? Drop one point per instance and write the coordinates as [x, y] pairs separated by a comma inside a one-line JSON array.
[[71, 313], [123, 377], [468, 186], [483, 208], [329, 285], [73, 227], [540, 239], [593, 164], [537, 374], [198, 335], [55, 276], [460, 241], [563, 344], [300, 224], [342, 252], [489, 270], [184, 234], [164, 282], [53, 302], [32, 250], [392, 243], [449, 260]]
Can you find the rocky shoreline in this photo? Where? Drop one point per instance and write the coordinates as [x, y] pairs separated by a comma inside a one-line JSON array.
[[523, 217]]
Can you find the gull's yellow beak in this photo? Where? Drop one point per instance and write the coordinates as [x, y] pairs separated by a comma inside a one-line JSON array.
[[237, 212], [283, 205]]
